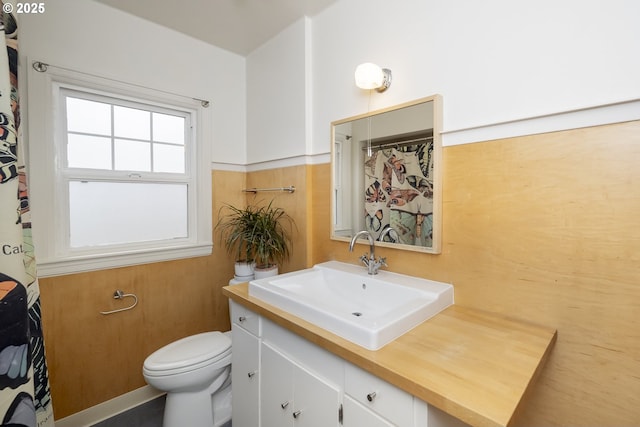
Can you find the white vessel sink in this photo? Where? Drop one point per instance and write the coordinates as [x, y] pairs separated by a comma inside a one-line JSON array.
[[370, 311]]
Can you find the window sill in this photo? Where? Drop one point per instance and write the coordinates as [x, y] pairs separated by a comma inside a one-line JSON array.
[[50, 268]]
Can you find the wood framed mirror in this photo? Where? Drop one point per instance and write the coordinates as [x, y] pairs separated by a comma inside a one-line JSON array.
[[387, 174]]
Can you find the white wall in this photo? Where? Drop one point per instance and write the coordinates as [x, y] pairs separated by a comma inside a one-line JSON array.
[[277, 94], [90, 37], [493, 61]]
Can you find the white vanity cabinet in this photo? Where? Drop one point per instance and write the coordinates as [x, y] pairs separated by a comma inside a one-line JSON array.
[[294, 396], [283, 380], [245, 366]]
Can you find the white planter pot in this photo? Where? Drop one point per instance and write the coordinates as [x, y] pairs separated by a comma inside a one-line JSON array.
[[261, 273], [244, 269]]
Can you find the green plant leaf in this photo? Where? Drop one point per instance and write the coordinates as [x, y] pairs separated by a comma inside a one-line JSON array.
[[258, 233]]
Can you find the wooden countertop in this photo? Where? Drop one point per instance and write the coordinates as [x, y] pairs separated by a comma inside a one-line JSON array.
[[476, 366]]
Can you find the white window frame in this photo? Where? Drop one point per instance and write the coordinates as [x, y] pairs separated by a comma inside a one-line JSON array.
[[49, 197], [342, 194]]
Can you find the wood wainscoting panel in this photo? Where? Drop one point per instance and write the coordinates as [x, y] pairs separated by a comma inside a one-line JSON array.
[[546, 228], [294, 204], [93, 358], [321, 246]]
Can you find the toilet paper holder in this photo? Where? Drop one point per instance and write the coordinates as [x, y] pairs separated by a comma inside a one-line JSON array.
[[118, 294]]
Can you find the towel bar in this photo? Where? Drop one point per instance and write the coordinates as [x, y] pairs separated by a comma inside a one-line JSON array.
[[289, 189], [118, 294]]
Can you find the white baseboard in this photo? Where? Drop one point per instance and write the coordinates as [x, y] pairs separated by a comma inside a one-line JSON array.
[[108, 409]]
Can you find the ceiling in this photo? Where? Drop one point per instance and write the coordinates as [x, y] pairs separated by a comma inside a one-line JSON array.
[[239, 26]]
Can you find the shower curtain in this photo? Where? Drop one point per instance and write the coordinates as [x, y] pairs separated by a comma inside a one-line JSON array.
[[399, 193], [24, 385]]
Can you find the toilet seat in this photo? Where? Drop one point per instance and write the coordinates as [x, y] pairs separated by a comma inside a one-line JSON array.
[[188, 354]]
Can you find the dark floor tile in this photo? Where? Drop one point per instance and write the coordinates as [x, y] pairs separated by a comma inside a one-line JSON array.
[[146, 415]]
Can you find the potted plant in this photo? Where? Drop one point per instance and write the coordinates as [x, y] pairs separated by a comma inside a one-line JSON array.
[[257, 234], [270, 239], [233, 225]]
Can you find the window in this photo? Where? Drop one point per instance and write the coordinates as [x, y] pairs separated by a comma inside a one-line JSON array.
[[123, 170], [342, 193], [127, 176]]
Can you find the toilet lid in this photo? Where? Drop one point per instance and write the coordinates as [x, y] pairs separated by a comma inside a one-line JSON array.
[[189, 351]]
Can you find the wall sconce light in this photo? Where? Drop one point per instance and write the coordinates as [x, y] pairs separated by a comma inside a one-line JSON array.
[[372, 76]]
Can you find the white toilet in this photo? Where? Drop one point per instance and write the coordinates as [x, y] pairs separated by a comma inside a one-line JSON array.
[[196, 374]]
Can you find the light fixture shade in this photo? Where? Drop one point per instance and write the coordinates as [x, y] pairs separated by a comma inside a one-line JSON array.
[[372, 76]]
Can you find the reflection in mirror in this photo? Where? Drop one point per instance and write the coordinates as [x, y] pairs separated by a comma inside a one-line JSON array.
[[386, 176]]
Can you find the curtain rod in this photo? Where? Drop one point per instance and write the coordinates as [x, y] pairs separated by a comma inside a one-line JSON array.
[[398, 144], [42, 67]]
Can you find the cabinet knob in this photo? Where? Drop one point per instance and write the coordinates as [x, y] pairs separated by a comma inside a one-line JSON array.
[[251, 374], [297, 414], [284, 405], [371, 396], [241, 319]]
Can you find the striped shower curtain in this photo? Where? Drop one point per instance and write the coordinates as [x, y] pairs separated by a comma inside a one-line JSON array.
[[24, 385]]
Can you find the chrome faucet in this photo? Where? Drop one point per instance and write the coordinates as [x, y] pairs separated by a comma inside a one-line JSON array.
[[388, 231], [370, 261]]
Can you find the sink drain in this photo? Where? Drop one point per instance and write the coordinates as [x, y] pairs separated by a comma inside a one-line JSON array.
[[357, 313]]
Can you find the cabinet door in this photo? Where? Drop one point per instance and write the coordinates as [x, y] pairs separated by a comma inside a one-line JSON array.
[[245, 379], [276, 388], [292, 396], [356, 415], [316, 402]]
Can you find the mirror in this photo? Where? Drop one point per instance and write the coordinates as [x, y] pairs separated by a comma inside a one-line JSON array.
[[386, 173]]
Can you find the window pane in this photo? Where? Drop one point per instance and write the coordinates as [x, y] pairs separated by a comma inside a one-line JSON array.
[[104, 213], [168, 158], [131, 123], [132, 156], [91, 152], [88, 116], [168, 128]]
